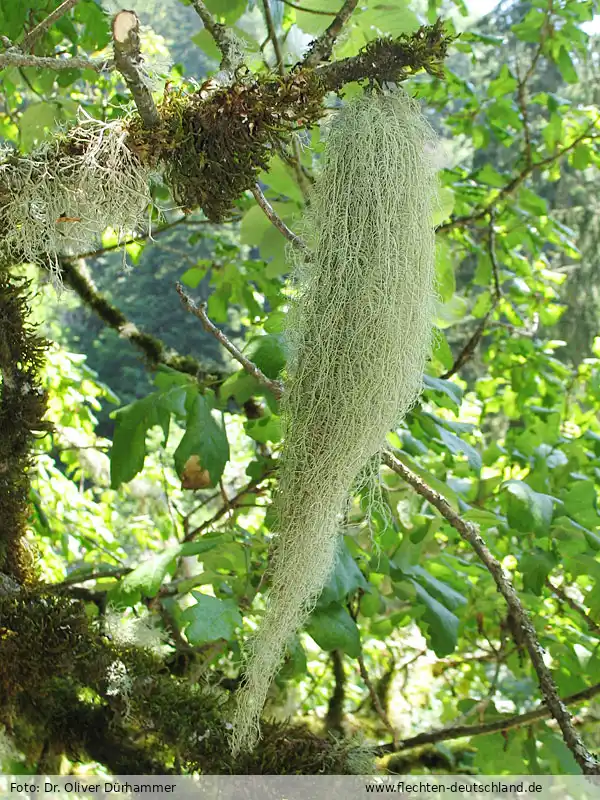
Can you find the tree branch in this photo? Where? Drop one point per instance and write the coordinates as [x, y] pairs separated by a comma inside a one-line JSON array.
[[128, 60], [200, 311], [322, 48], [505, 191], [75, 275], [253, 487], [223, 37], [470, 533], [34, 34], [273, 37], [505, 724], [13, 57], [334, 719], [143, 237], [272, 215]]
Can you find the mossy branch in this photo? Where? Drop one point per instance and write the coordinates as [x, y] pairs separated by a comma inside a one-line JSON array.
[[76, 276], [52, 654], [14, 57], [22, 409], [392, 60]]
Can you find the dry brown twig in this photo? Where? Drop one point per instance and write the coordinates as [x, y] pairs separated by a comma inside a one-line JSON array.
[[276, 387]]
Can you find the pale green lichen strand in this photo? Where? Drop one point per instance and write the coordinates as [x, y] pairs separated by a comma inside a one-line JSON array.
[[360, 331]]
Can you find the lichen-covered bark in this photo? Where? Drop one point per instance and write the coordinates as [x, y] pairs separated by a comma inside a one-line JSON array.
[[22, 408], [57, 696]]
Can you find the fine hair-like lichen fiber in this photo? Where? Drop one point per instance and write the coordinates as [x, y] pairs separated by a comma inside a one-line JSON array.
[[359, 331]]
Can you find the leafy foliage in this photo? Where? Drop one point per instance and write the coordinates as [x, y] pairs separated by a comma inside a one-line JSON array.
[[511, 436]]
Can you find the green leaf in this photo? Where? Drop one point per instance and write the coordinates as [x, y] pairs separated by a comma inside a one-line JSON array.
[[145, 580], [281, 180], [535, 566], [446, 205], [263, 430], [457, 445], [128, 452], [566, 66], [532, 202], [333, 628], [227, 11], [268, 353], [37, 122], [446, 282], [314, 24], [446, 388], [490, 176], [528, 511], [452, 311], [442, 624], [580, 503], [207, 44], [203, 437], [446, 595], [392, 18], [346, 578], [504, 84], [210, 619]]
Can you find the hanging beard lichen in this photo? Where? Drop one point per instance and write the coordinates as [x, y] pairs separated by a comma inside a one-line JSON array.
[[59, 199], [360, 331]]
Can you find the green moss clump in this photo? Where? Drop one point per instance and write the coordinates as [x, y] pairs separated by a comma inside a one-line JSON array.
[[213, 145], [44, 636]]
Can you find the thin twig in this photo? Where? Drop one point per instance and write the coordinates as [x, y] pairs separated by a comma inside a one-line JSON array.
[[470, 533], [234, 502], [308, 10], [322, 48], [91, 576], [470, 347], [573, 604], [334, 719], [223, 37], [34, 34], [273, 37], [505, 724], [128, 60], [381, 712], [200, 311], [276, 219]]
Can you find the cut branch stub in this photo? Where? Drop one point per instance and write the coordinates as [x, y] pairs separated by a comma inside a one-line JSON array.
[[128, 60]]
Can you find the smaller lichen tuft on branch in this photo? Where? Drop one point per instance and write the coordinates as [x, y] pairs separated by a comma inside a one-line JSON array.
[[59, 199]]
